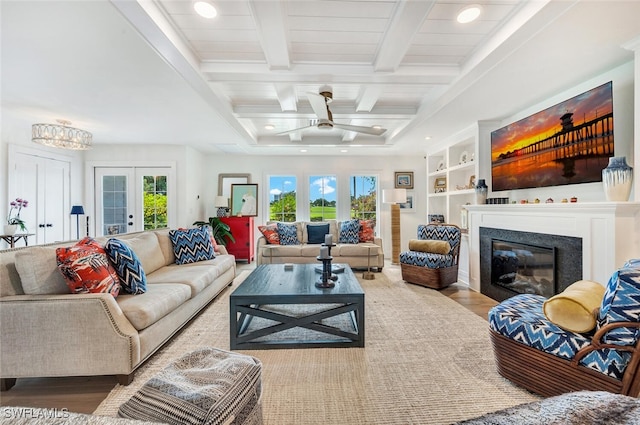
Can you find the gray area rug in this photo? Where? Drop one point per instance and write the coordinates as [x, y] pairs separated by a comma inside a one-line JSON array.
[[582, 407], [426, 360]]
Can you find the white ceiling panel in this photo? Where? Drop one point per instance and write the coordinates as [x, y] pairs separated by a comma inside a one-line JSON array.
[[152, 67]]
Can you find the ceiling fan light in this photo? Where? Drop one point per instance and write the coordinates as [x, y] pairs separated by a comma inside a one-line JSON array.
[[205, 9], [469, 13]]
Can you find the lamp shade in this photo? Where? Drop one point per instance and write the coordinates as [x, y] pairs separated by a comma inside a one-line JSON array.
[[77, 210], [394, 196], [221, 202]]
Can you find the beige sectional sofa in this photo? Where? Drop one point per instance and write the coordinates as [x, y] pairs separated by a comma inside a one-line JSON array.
[[45, 331], [358, 256]]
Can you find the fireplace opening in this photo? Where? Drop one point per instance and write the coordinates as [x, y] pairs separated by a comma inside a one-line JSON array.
[[523, 268]]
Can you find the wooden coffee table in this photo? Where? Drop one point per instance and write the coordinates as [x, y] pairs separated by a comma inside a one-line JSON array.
[[270, 286]]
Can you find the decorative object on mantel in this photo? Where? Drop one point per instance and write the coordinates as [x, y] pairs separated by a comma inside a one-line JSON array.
[[617, 179], [549, 201], [61, 136], [481, 192], [222, 203], [77, 210], [574, 199], [15, 222]]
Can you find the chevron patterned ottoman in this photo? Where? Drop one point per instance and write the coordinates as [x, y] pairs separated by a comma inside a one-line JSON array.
[[207, 386]]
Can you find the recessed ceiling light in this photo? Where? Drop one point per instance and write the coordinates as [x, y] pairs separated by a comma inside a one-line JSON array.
[[303, 150], [427, 137], [377, 127], [269, 127], [469, 13], [205, 9], [343, 150]]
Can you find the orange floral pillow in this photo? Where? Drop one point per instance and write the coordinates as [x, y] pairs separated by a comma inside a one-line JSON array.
[[270, 232], [86, 268], [367, 230]]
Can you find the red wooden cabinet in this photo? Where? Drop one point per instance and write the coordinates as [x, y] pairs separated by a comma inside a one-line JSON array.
[[242, 230]]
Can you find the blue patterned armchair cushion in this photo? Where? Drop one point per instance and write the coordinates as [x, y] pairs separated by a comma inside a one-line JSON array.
[[288, 234], [349, 231], [426, 259], [191, 245], [128, 267], [521, 319], [621, 303], [441, 232]]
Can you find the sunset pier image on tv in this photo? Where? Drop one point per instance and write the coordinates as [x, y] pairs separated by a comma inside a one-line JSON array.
[[568, 143]]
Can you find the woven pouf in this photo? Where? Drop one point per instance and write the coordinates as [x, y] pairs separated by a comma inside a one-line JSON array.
[[207, 386]]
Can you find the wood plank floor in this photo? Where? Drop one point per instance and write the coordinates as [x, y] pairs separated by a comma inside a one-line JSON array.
[[84, 394]]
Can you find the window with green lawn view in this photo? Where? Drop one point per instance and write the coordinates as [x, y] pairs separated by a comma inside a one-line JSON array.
[[282, 198], [322, 198], [363, 195]]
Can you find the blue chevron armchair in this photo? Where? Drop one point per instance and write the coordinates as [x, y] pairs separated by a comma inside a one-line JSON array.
[[541, 357], [433, 270]]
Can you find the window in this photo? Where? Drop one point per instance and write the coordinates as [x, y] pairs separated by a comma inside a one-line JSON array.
[[155, 202], [282, 198], [363, 195], [322, 198]]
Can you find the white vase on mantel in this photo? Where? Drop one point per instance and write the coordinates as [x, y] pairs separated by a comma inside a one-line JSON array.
[[617, 179], [10, 229]]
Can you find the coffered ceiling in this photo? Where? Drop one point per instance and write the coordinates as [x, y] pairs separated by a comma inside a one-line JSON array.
[[156, 72]]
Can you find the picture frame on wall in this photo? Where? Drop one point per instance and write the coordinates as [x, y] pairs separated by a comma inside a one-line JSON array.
[[244, 200], [404, 179]]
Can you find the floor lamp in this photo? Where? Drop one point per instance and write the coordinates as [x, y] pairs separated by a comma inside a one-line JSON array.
[[77, 210], [395, 197]]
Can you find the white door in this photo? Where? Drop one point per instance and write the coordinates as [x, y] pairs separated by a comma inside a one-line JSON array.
[[44, 182], [131, 199]]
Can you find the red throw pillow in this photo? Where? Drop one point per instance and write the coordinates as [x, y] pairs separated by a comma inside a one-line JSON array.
[[270, 232], [366, 233], [86, 268]]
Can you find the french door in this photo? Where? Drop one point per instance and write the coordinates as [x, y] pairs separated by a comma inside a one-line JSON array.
[[131, 199]]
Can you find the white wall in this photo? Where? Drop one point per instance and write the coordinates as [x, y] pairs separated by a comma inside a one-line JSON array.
[[623, 115], [260, 167]]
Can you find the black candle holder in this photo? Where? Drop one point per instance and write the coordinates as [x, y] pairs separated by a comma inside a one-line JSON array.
[[326, 277]]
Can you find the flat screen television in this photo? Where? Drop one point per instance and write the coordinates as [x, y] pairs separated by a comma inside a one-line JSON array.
[[568, 143]]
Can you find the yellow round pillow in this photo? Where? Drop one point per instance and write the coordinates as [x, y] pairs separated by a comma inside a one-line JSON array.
[[430, 245], [575, 308]]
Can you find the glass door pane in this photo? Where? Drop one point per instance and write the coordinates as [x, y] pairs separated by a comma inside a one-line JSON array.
[[115, 203]]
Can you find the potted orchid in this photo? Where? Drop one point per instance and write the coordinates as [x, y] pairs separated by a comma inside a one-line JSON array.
[[13, 220]]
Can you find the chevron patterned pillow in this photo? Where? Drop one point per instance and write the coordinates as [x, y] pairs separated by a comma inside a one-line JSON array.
[[128, 267], [349, 231], [191, 245]]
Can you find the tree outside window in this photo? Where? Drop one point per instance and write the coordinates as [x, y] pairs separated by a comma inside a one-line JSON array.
[[282, 198], [363, 191], [155, 202], [322, 198]]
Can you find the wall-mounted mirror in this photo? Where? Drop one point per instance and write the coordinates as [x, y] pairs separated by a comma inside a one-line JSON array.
[[226, 180]]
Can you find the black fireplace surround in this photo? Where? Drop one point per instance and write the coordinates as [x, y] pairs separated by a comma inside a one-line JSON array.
[[568, 261]]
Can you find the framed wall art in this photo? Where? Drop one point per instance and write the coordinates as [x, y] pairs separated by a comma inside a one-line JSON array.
[[411, 200], [226, 180], [404, 179], [244, 200]]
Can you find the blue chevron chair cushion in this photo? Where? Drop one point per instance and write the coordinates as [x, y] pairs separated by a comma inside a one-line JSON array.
[[443, 232], [426, 259], [288, 234], [349, 231], [191, 245], [128, 267], [621, 303], [522, 319]]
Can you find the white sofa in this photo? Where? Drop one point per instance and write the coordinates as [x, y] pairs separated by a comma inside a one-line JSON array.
[[45, 331], [357, 256]]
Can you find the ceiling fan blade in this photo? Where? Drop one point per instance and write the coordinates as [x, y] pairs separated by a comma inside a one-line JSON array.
[[319, 106], [294, 130], [361, 129]]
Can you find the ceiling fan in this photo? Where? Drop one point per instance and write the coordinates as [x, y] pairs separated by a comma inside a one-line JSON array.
[[320, 104]]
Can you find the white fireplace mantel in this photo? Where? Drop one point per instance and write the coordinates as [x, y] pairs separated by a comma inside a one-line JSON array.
[[610, 231]]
